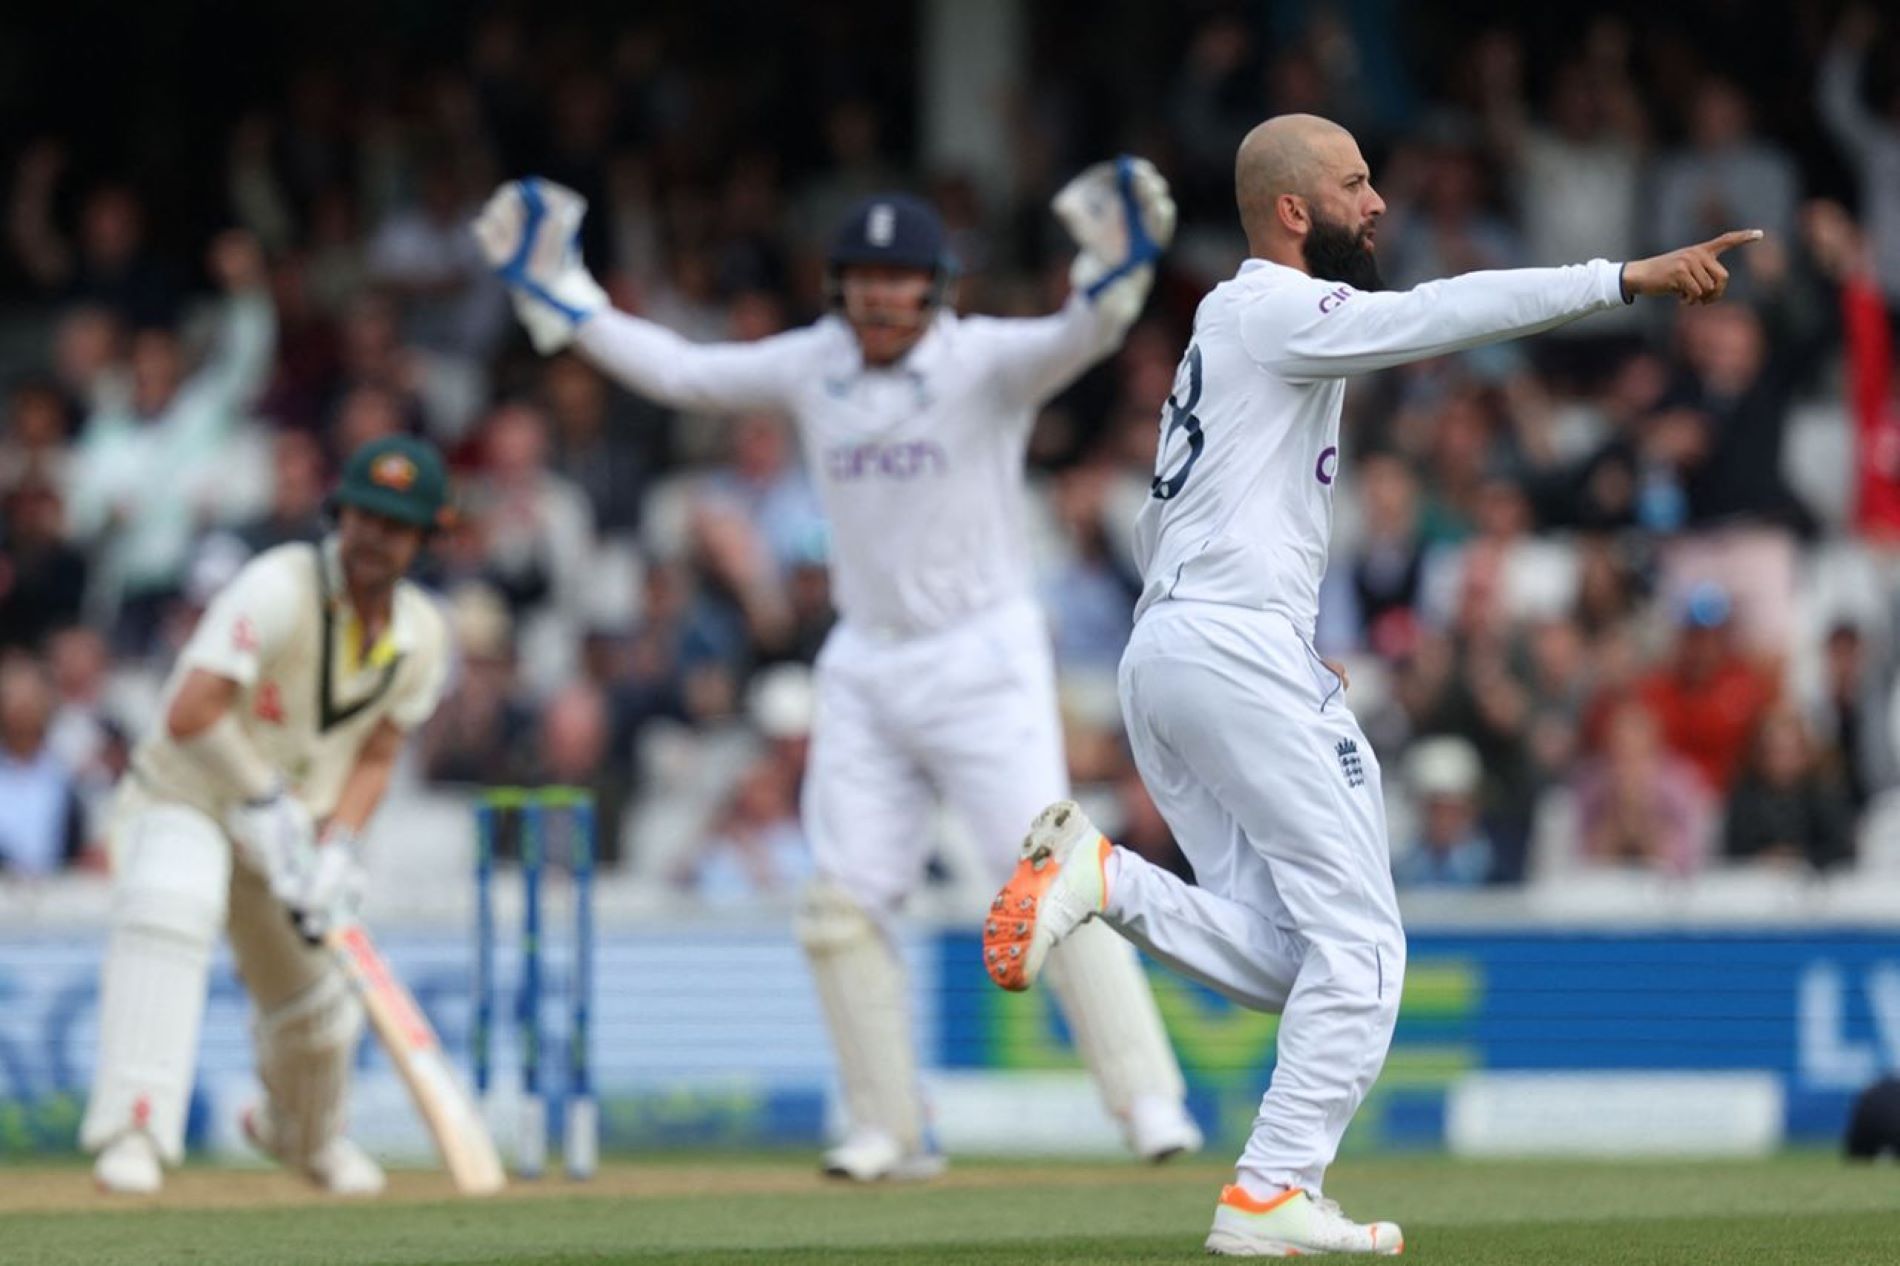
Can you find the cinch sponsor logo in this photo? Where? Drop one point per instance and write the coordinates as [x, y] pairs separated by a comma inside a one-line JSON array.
[[911, 459], [1328, 464], [1333, 298]]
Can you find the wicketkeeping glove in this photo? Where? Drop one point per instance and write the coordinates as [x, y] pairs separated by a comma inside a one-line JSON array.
[[529, 234], [1121, 217]]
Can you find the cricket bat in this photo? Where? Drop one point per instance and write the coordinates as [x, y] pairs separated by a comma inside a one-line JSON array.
[[468, 1152]]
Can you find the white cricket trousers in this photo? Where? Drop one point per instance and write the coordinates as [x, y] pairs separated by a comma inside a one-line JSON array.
[[1244, 740], [967, 714]]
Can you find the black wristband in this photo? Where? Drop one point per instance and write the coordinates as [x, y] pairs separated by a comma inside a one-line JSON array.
[[1622, 289]]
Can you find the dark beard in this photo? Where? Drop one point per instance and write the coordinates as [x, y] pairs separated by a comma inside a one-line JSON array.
[[1334, 252]]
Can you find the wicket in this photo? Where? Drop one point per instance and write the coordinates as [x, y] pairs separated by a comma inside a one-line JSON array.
[[580, 1130]]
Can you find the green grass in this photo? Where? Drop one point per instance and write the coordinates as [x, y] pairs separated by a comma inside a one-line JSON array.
[[1791, 1210]]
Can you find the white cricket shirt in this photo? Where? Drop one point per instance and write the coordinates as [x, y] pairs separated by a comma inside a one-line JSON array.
[[308, 697], [1241, 507], [919, 466]]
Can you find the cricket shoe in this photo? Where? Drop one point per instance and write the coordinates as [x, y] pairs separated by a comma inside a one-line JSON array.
[[129, 1166], [339, 1167], [1060, 884], [1159, 1128], [1293, 1224], [874, 1156]]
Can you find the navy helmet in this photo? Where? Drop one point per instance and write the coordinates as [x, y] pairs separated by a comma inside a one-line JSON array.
[[897, 229]]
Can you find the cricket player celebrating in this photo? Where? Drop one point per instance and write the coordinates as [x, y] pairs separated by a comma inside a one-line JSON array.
[[286, 708], [1240, 730], [938, 678]]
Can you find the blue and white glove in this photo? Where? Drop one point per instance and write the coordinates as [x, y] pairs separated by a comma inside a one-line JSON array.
[[1121, 217], [330, 892], [529, 233]]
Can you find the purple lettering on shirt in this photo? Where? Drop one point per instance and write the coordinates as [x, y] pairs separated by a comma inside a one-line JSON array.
[[902, 461], [1328, 464]]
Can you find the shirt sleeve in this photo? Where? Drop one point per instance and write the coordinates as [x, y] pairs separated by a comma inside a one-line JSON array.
[[250, 619], [664, 367], [1315, 330], [420, 688], [1837, 100], [241, 361], [1031, 359]]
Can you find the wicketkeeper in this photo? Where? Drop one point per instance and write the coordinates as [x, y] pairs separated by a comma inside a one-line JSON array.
[[938, 683]]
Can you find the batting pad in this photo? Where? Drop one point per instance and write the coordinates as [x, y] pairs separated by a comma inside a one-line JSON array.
[[862, 988], [1097, 978], [304, 1050], [173, 885]]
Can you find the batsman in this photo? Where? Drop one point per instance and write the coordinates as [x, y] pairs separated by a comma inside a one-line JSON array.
[[282, 722], [937, 680]]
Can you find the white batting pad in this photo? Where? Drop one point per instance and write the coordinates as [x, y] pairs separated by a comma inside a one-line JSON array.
[[173, 883], [304, 1050]]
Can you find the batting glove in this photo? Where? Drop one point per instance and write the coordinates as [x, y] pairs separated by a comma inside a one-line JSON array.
[[1121, 217], [330, 892], [276, 837], [529, 234]]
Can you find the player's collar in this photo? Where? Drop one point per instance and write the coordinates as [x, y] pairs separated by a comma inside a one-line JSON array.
[[341, 623], [398, 634]]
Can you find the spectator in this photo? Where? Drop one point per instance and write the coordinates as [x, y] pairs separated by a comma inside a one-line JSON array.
[[481, 721], [1842, 252], [1709, 698], [296, 495], [41, 830], [1090, 597], [1727, 412], [1450, 848], [148, 476], [1847, 717], [424, 257], [538, 525], [34, 442], [1452, 228], [1388, 564], [110, 264], [1639, 805], [758, 846], [92, 722], [763, 483], [89, 359], [1577, 173], [1870, 142], [572, 749], [1785, 810], [1724, 178], [1577, 183], [605, 441], [371, 355], [42, 577]]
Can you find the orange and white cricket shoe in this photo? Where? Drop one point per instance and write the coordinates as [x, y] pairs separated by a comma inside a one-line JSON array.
[[1293, 1224], [1060, 884]]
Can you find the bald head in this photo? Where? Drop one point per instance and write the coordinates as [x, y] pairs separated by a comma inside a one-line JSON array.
[[1280, 156], [1294, 170]]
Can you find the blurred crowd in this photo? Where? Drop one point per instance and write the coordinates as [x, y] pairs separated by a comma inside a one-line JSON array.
[[1619, 597]]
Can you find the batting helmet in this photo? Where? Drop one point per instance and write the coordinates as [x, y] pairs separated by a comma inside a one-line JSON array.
[[399, 477]]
